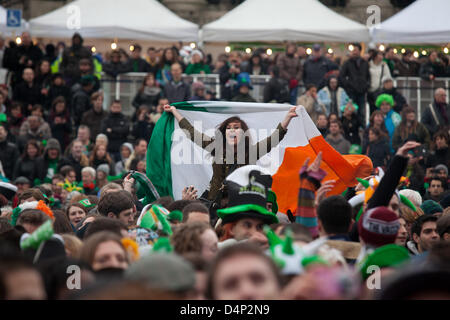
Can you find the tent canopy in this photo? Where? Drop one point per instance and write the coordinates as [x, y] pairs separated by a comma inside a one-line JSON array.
[[283, 20], [423, 21], [7, 30], [122, 19]]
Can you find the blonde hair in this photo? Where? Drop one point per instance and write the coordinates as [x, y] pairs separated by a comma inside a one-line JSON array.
[[72, 245]]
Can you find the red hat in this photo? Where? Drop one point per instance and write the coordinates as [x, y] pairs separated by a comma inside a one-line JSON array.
[[378, 226]]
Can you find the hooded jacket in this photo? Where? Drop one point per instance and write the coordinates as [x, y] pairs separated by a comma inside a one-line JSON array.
[[72, 56]]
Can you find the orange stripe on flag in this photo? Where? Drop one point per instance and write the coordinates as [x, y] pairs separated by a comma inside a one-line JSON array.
[[342, 168]]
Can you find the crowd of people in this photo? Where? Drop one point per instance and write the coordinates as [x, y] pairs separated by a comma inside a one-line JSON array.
[[74, 192]]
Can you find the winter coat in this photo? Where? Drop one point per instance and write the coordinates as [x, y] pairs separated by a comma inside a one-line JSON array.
[[81, 102], [439, 156], [324, 97], [137, 65], [354, 76], [312, 106], [114, 69], [71, 60], [314, 70], [120, 128], [9, 155], [290, 67], [148, 97], [94, 121], [429, 121], [377, 74], [339, 143], [56, 91], [428, 68], [243, 98], [143, 129], [42, 133], [421, 134], [379, 152], [27, 95], [407, 68], [29, 168], [197, 68], [177, 92], [221, 171], [351, 129], [61, 131], [277, 89]]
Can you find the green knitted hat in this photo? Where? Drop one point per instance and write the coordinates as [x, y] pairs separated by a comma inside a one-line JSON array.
[[384, 98], [431, 207]]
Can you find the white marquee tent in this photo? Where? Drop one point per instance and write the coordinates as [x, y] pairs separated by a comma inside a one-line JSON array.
[[7, 31], [423, 21], [121, 19], [284, 20]]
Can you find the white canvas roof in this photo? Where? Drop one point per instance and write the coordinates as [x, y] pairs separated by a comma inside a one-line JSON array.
[[423, 21], [284, 20], [122, 19]]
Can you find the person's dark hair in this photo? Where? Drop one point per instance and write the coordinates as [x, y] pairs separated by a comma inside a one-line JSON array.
[[91, 244], [222, 130], [187, 237], [194, 206], [373, 54], [32, 192], [339, 123], [197, 261], [137, 47], [105, 224], [61, 223], [76, 204], [236, 250], [12, 260], [165, 201], [275, 70], [178, 205], [416, 228], [137, 141], [357, 45], [33, 217], [65, 170], [148, 75], [164, 61], [58, 99], [443, 134], [115, 202], [37, 107], [309, 86], [443, 182], [335, 215], [375, 131], [25, 149]]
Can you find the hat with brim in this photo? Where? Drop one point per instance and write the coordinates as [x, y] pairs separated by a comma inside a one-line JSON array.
[[386, 256], [243, 211], [8, 190]]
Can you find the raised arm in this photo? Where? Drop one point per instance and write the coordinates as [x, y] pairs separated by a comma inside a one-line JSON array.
[[186, 125]]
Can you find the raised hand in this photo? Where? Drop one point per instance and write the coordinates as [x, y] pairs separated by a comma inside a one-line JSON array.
[[321, 194], [403, 150], [189, 193], [290, 114]]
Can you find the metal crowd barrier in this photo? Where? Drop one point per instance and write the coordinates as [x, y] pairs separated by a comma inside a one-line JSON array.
[[418, 92]]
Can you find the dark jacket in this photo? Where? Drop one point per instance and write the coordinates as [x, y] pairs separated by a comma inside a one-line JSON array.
[[420, 134], [9, 155], [71, 59], [137, 65], [149, 98], [354, 76], [429, 121], [277, 89], [314, 70], [119, 126], [379, 152], [243, 98], [77, 165], [177, 92], [439, 156], [351, 129], [221, 171], [94, 121], [31, 53], [29, 168], [56, 91], [81, 102], [429, 68], [407, 68], [143, 129], [114, 69], [27, 95], [290, 67], [61, 131], [340, 144]]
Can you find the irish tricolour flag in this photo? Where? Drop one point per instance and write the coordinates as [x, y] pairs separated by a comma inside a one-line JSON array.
[[174, 161]]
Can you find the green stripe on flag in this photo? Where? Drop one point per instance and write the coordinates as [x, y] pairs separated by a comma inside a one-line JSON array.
[[158, 157]]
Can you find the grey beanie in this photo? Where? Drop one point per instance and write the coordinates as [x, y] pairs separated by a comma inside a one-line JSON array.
[[166, 271], [103, 167]]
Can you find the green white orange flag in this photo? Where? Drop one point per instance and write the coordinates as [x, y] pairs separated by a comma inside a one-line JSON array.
[[174, 161]]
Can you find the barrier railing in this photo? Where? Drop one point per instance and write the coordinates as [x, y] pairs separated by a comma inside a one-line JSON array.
[[418, 92]]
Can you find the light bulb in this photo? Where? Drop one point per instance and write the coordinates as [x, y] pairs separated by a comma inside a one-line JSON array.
[[227, 49], [114, 46], [308, 50], [269, 52]]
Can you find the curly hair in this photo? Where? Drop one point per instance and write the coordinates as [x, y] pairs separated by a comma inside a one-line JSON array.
[[186, 237]]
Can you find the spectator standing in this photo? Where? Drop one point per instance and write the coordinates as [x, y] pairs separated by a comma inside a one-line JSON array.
[[407, 66], [436, 116], [136, 63], [377, 148], [30, 164], [27, 55], [332, 96], [9, 154], [115, 66], [143, 126], [244, 87], [310, 102], [71, 57], [81, 98], [57, 88], [93, 117], [177, 90], [376, 121], [256, 65], [116, 126], [399, 99], [316, 67], [350, 123], [410, 129], [433, 68], [392, 119], [336, 139], [197, 66], [152, 60], [148, 94], [164, 73], [378, 69], [390, 59], [60, 122], [27, 92], [291, 70], [354, 77], [277, 89]]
